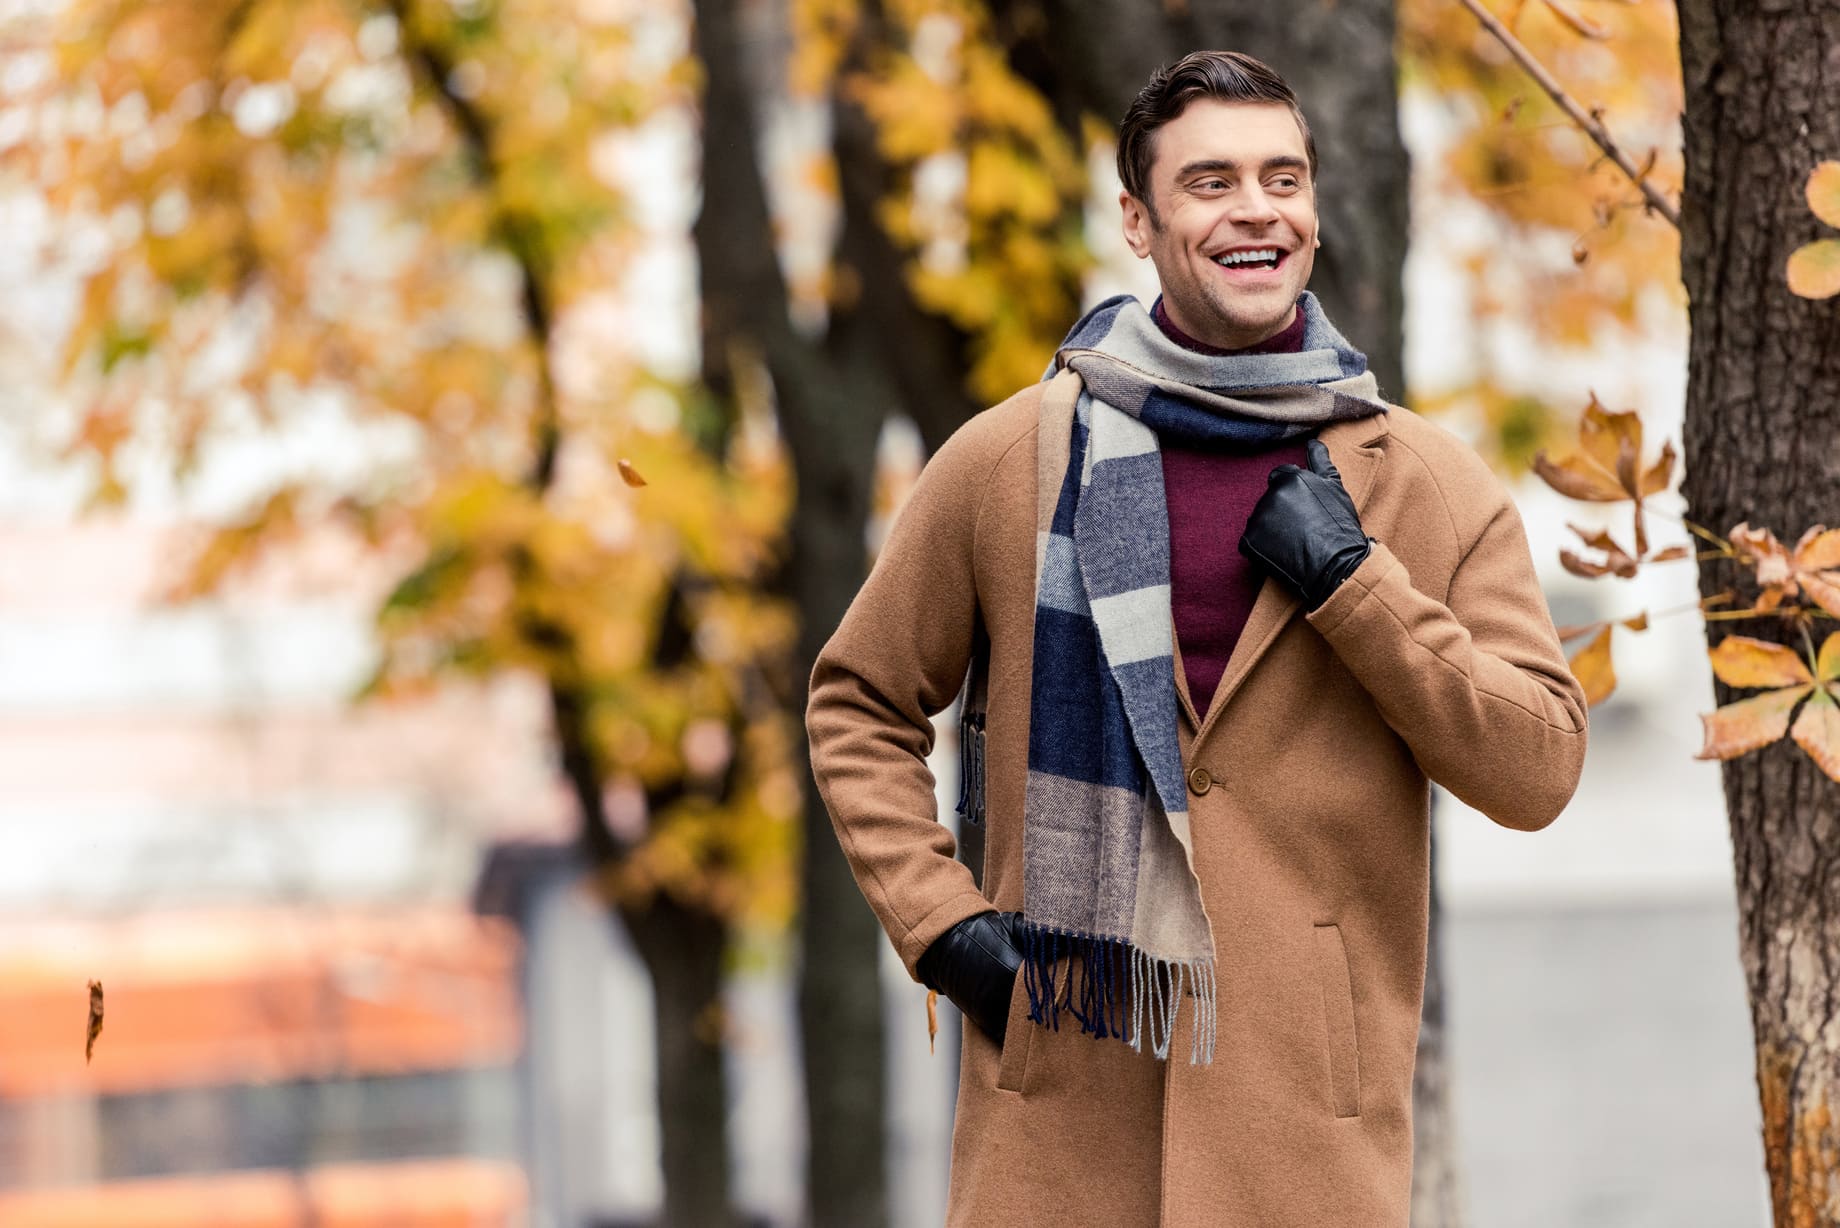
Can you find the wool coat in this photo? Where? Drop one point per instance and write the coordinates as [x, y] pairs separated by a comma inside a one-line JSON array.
[[1309, 812]]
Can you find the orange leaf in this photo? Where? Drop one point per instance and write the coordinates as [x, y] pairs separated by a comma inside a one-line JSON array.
[[1740, 660], [1749, 723], [1616, 558], [1814, 269], [1669, 554], [95, 1021], [1817, 731], [630, 475], [1592, 667], [1614, 441], [932, 1017], [1823, 588], [1637, 622], [1658, 475], [1579, 25], [1819, 549], [1577, 478], [1824, 192], [1775, 569], [1827, 664]]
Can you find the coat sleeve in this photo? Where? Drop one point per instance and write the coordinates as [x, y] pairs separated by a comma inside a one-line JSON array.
[[1479, 689], [900, 655]]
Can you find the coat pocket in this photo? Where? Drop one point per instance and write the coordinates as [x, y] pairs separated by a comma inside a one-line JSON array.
[[1018, 1039], [1344, 1050]]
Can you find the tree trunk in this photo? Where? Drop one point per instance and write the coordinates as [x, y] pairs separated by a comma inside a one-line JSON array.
[[682, 950], [1762, 442]]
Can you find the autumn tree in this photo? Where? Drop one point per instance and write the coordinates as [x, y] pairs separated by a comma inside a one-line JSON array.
[[1760, 268], [392, 217]]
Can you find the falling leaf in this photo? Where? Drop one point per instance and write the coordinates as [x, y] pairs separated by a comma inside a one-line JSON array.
[[1578, 23], [1824, 192], [1817, 731], [95, 1021], [1592, 667], [630, 475], [1749, 723], [1742, 661], [932, 1017], [1814, 269]]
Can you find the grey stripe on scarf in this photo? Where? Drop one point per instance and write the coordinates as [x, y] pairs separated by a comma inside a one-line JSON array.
[[1108, 873]]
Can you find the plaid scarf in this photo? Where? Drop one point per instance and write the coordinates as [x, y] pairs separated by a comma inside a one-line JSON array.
[[1108, 876]]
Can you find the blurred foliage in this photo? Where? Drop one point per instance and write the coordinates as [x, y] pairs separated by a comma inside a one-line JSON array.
[[1554, 246], [399, 213], [989, 186]]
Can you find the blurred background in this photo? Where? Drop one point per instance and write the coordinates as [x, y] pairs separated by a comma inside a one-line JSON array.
[[435, 437]]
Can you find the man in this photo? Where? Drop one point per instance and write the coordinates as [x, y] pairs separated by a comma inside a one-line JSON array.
[[1192, 978]]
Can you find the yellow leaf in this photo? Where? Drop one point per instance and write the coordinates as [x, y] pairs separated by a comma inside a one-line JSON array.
[[1819, 549], [1749, 723], [1817, 731], [1827, 664], [1814, 269], [1742, 661], [1824, 192], [1592, 667]]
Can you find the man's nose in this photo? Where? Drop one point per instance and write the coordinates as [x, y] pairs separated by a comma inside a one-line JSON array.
[[1251, 204]]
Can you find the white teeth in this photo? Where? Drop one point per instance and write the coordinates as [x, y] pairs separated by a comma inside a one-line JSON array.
[[1230, 259]]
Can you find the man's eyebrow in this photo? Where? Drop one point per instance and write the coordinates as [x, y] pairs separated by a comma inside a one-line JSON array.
[[1204, 165]]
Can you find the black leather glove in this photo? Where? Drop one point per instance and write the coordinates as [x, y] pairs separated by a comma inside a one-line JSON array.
[[974, 964], [1304, 529]]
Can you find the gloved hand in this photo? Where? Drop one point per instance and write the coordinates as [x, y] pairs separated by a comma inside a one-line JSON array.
[[1304, 529], [975, 964]]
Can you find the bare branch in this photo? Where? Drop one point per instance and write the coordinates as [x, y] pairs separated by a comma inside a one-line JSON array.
[[1589, 121]]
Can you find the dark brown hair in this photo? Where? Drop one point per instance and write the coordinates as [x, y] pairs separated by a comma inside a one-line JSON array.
[[1230, 76]]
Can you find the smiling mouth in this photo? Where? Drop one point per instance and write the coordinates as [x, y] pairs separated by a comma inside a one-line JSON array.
[[1262, 259]]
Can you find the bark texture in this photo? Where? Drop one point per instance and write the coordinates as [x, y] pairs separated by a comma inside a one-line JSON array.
[[1762, 443]]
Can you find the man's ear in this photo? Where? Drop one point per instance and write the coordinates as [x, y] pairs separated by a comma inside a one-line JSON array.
[[1136, 224]]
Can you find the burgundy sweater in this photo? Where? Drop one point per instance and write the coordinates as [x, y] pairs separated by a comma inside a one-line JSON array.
[[1212, 586]]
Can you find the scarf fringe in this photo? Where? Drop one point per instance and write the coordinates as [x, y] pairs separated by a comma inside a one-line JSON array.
[[1116, 992]]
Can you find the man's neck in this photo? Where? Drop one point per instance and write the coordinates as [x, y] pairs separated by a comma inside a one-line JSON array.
[[1287, 340]]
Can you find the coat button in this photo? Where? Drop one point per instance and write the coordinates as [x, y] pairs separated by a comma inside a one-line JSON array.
[[1200, 781]]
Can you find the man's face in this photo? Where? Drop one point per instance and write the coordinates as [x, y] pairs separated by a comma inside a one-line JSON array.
[[1228, 178]]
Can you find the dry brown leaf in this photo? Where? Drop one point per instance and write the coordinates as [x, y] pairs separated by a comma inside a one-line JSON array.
[[1817, 731], [95, 1021], [1749, 723], [1669, 554], [1616, 559], [630, 475], [1742, 661], [1658, 476], [932, 1017], [1637, 622], [1592, 667]]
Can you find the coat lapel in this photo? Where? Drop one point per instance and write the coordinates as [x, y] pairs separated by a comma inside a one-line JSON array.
[[1356, 448]]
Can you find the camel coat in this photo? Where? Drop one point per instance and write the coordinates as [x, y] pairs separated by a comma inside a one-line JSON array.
[[1309, 809]]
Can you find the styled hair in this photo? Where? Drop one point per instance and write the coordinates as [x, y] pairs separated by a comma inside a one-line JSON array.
[[1229, 76]]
